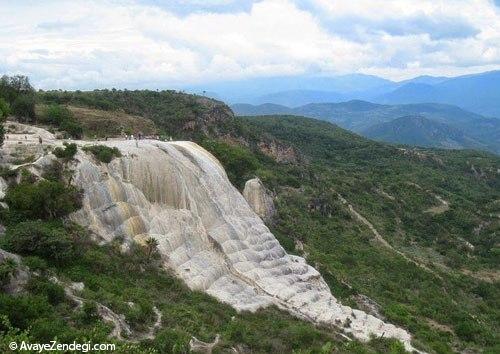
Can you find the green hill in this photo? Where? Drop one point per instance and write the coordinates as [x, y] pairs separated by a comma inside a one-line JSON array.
[[420, 131], [411, 234], [361, 116]]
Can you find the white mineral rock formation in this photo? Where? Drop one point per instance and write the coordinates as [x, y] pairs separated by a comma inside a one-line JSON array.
[[179, 194], [259, 198]]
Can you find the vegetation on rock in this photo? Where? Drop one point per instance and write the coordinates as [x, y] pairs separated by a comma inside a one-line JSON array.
[[66, 153], [103, 153], [46, 200]]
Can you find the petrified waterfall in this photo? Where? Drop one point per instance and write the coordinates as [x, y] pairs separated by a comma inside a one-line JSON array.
[[207, 233], [179, 194]]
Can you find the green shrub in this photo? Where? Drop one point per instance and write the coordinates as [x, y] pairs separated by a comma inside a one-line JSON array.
[[103, 153], [48, 240], [62, 118], [239, 162], [66, 153], [4, 112], [54, 171], [56, 114], [88, 313], [73, 128], [172, 341], [42, 286], [7, 269], [9, 334], [35, 263], [21, 310], [140, 313], [4, 109], [46, 329], [6, 172], [43, 200], [24, 107], [468, 330]]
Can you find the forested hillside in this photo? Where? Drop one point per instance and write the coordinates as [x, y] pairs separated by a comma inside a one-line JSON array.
[[410, 235], [415, 230], [360, 116]]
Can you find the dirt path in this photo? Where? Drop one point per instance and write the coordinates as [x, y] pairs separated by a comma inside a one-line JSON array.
[[379, 237]]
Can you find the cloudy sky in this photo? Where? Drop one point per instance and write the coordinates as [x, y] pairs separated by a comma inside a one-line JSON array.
[[159, 44]]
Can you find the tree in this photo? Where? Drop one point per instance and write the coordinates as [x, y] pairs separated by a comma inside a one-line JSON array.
[[20, 95], [13, 86], [4, 109], [24, 107], [4, 113]]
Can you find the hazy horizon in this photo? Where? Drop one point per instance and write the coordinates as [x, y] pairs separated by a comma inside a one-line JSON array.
[[174, 44]]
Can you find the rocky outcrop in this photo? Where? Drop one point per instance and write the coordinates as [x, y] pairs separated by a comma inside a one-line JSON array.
[[120, 326], [198, 346], [179, 194], [19, 276], [279, 152], [259, 199]]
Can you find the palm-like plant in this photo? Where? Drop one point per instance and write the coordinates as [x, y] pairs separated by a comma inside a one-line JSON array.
[[151, 247]]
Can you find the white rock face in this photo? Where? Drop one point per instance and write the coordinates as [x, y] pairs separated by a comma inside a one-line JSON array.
[[259, 199], [207, 233]]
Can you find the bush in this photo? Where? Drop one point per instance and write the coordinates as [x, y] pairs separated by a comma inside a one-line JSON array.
[[62, 118], [7, 269], [103, 153], [24, 107], [88, 313], [6, 172], [172, 341], [467, 330], [47, 329], [56, 114], [140, 313], [48, 240], [239, 162], [54, 171], [73, 128], [35, 263], [54, 292], [43, 200], [4, 109], [23, 309], [67, 153]]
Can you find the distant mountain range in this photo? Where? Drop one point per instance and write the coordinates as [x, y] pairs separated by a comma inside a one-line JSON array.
[[423, 124], [284, 88], [479, 93]]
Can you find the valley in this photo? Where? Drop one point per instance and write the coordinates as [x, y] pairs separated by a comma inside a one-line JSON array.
[[417, 271], [426, 124]]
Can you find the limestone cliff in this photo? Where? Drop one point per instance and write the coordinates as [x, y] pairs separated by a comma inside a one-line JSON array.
[[259, 199], [179, 194]]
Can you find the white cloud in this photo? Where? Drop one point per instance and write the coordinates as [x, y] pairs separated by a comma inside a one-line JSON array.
[[87, 44]]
